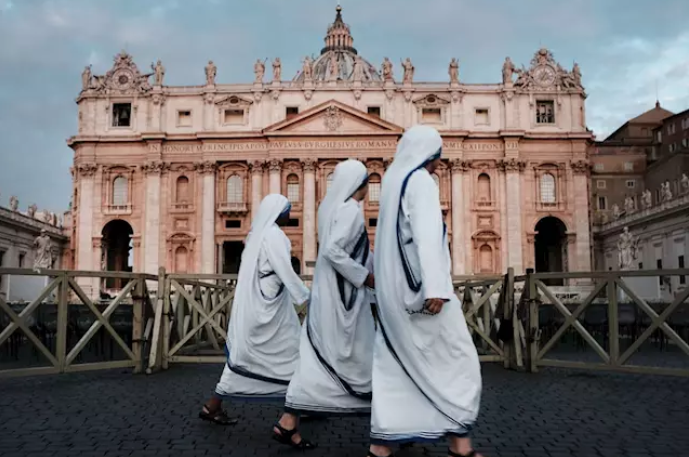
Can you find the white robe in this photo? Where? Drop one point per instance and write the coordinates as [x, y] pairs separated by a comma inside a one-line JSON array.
[[426, 372], [336, 351], [263, 335]]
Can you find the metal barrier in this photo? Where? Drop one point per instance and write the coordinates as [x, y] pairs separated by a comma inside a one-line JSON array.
[[615, 322], [69, 315]]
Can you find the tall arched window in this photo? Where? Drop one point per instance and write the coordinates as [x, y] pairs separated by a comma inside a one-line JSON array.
[[181, 259], [547, 188], [329, 181], [120, 188], [235, 189], [374, 187], [182, 190], [293, 188], [436, 179], [483, 191]]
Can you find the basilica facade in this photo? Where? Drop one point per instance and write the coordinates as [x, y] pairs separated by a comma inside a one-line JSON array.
[[170, 176]]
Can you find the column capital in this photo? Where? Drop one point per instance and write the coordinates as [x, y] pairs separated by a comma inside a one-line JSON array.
[[581, 167], [87, 170], [275, 165], [459, 165], [510, 165], [257, 166], [309, 164], [155, 167], [207, 167]]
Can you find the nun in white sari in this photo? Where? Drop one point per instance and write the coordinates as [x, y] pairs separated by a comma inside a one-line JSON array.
[[263, 337], [336, 351], [426, 372]]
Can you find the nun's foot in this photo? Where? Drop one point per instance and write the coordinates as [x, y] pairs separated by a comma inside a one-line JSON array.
[[471, 453], [291, 438], [379, 451]]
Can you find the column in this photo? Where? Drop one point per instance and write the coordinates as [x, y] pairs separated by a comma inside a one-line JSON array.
[[458, 217], [275, 169], [158, 100], [513, 170], [256, 184], [151, 232], [582, 245], [207, 172], [84, 258], [309, 233]]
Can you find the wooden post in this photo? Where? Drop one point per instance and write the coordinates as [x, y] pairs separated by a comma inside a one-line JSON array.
[[137, 322], [533, 336], [62, 310], [166, 322], [613, 322], [507, 312]]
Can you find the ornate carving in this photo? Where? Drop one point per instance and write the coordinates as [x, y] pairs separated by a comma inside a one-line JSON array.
[[333, 118], [357, 94], [408, 95], [386, 70], [87, 169], [14, 203], [684, 182], [123, 78], [508, 70], [512, 165], [159, 73], [309, 164], [31, 211], [277, 69], [408, 67], [389, 94], [307, 69], [155, 167], [453, 71], [211, 71], [581, 167], [275, 94], [629, 205], [646, 199], [627, 250], [545, 73], [458, 165], [258, 95], [257, 166], [158, 99], [206, 167], [456, 96], [308, 94], [259, 71], [275, 165], [616, 211], [209, 98], [665, 192]]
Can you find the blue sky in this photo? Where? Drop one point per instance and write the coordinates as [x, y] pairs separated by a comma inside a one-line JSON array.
[[625, 49]]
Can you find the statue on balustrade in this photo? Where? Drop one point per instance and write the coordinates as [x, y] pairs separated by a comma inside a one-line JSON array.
[[646, 199], [43, 257], [616, 211], [627, 247], [665, 192], [685, 183], [629, 206]]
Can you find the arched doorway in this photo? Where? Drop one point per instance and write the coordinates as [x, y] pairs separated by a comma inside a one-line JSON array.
[[117, 254], [551, 247]]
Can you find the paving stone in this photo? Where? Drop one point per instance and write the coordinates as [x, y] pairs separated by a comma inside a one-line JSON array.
[[555, 413]]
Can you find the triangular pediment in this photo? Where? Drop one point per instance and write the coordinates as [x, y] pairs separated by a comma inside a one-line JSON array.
[[333, 118]]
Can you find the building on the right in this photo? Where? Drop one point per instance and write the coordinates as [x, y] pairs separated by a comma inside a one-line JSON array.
[[652, 214]]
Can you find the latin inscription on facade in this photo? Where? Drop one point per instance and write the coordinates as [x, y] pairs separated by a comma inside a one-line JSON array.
[[278, 145]]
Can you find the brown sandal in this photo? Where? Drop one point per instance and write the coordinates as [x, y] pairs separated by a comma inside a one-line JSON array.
[[219, 416]]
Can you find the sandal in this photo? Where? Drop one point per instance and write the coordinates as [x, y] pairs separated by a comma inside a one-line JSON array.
[[219, 416], [371, 454], [285, 437], [471, 453]]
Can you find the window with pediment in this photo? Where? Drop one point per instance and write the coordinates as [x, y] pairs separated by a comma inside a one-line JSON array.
[[293, 188], [235, 189], [120, 191], [431, 109], [234, 110]]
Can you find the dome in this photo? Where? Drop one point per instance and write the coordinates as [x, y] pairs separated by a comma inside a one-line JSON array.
[[339, 53]]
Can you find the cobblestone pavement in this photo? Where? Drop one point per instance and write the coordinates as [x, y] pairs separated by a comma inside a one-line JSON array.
[[554, 413]]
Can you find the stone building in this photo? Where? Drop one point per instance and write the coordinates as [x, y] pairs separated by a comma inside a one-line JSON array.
[[18, 233], [169, 176]]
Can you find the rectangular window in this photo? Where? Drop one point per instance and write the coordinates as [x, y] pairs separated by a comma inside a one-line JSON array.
[[602, 203], [373, 222], [601, 184], [641, 265], [234, 117], [431, 115], [184, 118], [293, 192], [121, 114], [374, 111], [22, 257], [374, 191], [291, 112], [628, 166], [599, 167], [293, 223], [680, 265], [233, 223], [481, 116], [545, 112], [631, 184], [659, 266]]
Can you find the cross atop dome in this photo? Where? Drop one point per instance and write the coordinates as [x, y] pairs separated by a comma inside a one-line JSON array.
[[339, 37]]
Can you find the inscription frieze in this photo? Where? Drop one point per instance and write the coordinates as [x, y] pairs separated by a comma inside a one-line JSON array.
[[277, 145]]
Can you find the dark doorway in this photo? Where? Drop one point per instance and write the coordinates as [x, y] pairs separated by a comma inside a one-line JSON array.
[[296, 265], [232, 257], [117, 254], [551, 248]]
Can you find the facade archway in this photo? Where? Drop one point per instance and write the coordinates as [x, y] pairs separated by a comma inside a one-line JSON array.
[[117, 254], [550, 246]]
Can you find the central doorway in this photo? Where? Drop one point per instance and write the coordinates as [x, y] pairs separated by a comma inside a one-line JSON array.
[[551, 248], [117, 252], [232, 257]]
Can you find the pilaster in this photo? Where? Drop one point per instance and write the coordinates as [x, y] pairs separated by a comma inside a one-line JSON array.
[[512, 169], [256, 167], [275, 170], [152, 209], [85, 230], [309, 233], [207, 171], [459, 219], [582, 245]]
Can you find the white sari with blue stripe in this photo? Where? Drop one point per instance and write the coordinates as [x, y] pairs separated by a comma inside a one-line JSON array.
[[426, 372]]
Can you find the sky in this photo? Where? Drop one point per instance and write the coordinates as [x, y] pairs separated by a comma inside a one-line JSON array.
[[628, 51]]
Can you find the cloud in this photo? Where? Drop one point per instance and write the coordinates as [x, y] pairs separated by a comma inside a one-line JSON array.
[[622, 46]]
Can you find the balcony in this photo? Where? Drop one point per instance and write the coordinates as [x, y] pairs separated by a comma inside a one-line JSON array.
[[233, 208], [182, 208], [118, 210]]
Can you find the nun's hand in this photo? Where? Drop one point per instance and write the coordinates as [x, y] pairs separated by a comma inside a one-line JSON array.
[[434, 305], [370, 281]]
